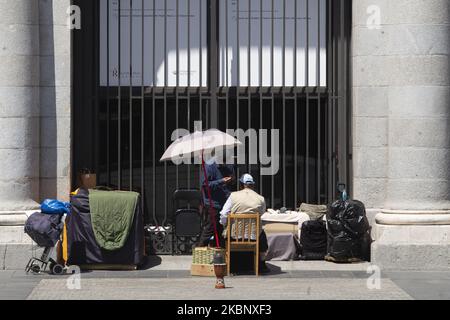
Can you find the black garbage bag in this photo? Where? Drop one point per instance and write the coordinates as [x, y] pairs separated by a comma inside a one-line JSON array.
[[348, 230], [313, 240], [44, 229]]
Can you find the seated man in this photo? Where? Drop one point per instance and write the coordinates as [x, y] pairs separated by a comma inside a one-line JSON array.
[[247, 201]]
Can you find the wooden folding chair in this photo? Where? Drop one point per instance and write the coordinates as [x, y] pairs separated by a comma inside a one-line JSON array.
[[236, 237]]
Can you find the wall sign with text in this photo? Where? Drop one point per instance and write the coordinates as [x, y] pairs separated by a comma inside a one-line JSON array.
[[147, 33]]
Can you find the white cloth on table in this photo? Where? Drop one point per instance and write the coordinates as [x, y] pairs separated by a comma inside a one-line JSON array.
[[282, 247], [273, 216], [288, 217]]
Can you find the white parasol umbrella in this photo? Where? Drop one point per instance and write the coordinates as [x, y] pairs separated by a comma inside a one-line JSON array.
[[197, 143]]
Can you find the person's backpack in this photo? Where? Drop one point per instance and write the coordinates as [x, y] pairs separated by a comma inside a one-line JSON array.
[[313, 240], [44, 229]]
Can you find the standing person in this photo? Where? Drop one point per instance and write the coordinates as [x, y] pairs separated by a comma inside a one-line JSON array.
[[220, 177]]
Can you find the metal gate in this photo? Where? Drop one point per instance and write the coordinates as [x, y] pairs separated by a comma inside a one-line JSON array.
[[125, 109]]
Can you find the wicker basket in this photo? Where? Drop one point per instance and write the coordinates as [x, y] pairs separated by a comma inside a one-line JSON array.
[[205, 255], [202, 261]]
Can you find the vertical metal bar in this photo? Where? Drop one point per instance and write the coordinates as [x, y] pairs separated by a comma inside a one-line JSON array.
[[343, 134], [153, 118], [295, 44], [201, 41], [238, 18], [335, 71], [119, 118], [177, 99], [330, 94], [189, 83], [201, 74], [319, 133], [207, 109], [284, 103], [341, 105], [227, 85], [131, 97], [142, 108], [307, 44], [295, 110], [272, 97], [166, 75], [260, 81], [319, 47], [96, 119], [319, 150], [213, 62], [349, 104], [249, 80], [307, 184], [108, 104], [201, 47], [272, 47]]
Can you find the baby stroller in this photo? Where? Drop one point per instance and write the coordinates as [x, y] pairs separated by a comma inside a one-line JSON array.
[[45, 230]]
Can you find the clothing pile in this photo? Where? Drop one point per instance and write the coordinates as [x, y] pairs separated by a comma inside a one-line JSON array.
[[105, 227]]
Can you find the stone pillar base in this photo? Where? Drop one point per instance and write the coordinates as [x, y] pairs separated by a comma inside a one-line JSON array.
[[16, 247], [13, 235], [8, 218], [409, 240], [11, 227]]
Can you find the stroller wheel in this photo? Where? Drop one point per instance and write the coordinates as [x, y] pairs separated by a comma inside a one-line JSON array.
[[57, 269], [35, 268]]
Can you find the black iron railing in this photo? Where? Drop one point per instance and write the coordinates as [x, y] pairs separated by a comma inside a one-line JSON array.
[[123, 118]]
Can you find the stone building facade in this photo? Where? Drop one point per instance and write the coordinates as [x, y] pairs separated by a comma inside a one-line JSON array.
[[400, 124], [401, 129]]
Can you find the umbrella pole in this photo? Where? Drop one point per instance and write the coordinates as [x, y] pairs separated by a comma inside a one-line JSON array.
[[211, 208]]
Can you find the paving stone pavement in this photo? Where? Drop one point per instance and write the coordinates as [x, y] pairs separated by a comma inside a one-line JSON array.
[[242, 288], [169, 277]]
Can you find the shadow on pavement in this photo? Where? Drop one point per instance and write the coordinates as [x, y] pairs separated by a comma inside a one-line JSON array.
[[150, 262], [274, 270]]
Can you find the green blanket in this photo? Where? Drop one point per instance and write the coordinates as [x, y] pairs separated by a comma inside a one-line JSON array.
[[112, 215]]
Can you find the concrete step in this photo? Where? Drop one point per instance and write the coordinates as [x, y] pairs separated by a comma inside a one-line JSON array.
[[184, 263], [16, 256]]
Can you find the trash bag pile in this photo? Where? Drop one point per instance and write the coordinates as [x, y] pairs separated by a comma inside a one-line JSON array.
[[348, 231], [313, 240]]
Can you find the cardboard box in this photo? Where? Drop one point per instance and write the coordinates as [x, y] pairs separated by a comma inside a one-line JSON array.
[[202, 259], [88, 181], [202, 270]]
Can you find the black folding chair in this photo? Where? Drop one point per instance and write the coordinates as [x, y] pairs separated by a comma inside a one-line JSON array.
[[187, 219]]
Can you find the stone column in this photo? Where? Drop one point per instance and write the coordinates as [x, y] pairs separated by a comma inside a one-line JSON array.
[[19, 110], [401, 80]]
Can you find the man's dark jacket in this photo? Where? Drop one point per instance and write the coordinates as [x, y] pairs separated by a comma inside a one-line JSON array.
[[219, 189]]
